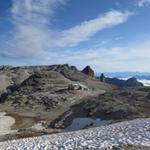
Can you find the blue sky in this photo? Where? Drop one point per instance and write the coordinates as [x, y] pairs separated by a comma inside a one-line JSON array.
[[108, 35]]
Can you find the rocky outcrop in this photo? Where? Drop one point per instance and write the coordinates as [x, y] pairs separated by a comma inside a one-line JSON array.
[[132, 82], [88, 71]]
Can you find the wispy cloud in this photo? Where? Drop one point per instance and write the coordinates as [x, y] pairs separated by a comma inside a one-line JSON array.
[[31, 36], [142, 3], [86, 29], [34, 38], [34, 11]]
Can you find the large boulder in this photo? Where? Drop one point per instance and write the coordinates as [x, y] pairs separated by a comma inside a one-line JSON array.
[[88, 71]]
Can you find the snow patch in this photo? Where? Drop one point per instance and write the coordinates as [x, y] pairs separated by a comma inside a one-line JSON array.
[[5, 124], [136, 132]]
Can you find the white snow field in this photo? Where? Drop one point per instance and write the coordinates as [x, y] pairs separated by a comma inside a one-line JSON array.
[[5, 124], [136, 132]]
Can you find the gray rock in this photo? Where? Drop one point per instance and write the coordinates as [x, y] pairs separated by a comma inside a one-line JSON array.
[[88, 71]]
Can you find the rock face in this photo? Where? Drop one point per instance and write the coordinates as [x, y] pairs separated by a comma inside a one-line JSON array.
[[88, 71], [132, 82]]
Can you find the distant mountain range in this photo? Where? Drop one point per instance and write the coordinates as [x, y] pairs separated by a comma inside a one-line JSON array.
[[143, 77], [138, 75], [131, 82]]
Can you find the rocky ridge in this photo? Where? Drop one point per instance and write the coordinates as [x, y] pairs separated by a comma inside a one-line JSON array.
[[131, 82], [44, 85]]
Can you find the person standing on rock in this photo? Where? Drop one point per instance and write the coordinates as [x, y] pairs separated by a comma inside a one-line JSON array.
[[102, 78]]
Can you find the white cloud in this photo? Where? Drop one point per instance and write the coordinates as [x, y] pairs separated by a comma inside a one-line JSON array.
[[34, 11], [86, 29], [33, 37], [111, 59], [142, 3], [30, 37]]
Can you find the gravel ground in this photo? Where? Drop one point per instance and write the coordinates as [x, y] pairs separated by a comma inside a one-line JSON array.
[[136, 132]]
